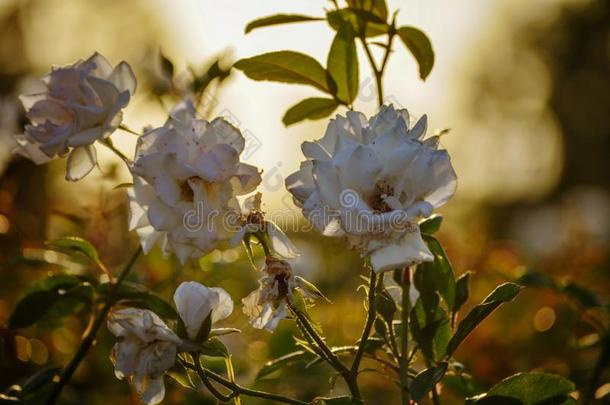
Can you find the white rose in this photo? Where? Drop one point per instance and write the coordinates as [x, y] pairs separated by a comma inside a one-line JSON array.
[[145, 349], [186, 176], [195, 302], [82, 104], [373, 181]]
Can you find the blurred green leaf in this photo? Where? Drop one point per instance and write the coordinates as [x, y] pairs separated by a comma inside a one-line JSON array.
[[278, 19], [359, 20], [462, 291], [214, 348], [287, 67], [281, 362], [528, 389], [425, 381], [342, 63], [585, 297], [431, 225], [310, 108], [39, 379], [420, 47], [437, 275], [503, 293], [378, 8], [47, 296], [81, 246]]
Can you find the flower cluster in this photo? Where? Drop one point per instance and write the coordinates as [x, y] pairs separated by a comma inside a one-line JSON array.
[[82, 104], [146, 347], [373, 181]]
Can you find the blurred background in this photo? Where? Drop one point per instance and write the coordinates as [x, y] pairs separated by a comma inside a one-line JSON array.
[[524, 87]]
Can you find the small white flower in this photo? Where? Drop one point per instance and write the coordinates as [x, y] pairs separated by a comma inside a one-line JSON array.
[[145, 349], [186, 176], [268, 305], [195, 302], [254, 222], [82, 104], [373, 181]]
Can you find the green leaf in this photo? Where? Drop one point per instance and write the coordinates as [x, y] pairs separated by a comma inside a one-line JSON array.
[[430, 326], [420, 47], [528, 389], [78, 245], [310, 288], [378, 8], [281, 362], [47, 296], [585, 297], [461, 291], [215, 348], [310, 108], [438, 274], [425, 381], [431, 225], [503, 293], [342, 63], [287, 67], [278, 19], [357, 18]]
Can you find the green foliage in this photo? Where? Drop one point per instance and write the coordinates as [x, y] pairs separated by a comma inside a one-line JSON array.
[[425, 381], [503, 293], [528, 389], [288, 67], [74, 244], [462, 291], [60, 294], [386, 307], [584, 296], [215, 348], [420, 47], [359, 19], [278, 19], [342, 63], [281, 362], [437, 275], [431, 225], [430, 326], [311, 108]]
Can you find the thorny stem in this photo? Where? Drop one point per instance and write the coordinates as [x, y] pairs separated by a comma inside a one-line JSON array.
[[370, 319], [205, 375], [330, 357], [404, 342], [91, 333]]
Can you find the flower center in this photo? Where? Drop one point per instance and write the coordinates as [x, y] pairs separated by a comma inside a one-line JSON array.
[[377, 200], [186, 192]]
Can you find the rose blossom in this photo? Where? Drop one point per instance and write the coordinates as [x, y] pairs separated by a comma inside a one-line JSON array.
[[186, 177], [373, 181], [82, 103]]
